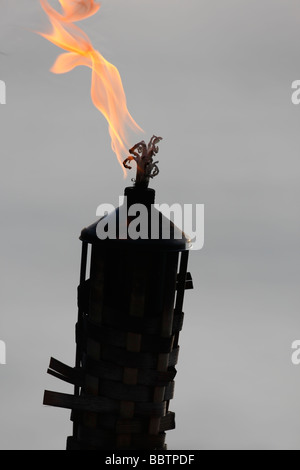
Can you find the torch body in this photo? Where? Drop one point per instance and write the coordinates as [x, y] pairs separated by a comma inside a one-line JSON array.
[[127, 339]]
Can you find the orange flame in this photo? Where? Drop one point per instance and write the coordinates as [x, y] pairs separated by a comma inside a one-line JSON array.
[[107, 90]]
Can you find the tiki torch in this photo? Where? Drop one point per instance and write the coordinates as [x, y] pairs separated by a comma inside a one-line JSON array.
[[130, 314]]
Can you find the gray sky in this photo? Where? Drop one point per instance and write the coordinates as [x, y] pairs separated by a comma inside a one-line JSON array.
[[213, 77]]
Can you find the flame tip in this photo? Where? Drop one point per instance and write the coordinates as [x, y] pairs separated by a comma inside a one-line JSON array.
[[107, 90]]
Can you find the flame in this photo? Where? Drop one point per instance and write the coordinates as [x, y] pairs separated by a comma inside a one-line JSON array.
[[107, 90]]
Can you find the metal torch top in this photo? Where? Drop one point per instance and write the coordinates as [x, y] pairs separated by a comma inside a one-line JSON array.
[[167, 236], [176, 239]]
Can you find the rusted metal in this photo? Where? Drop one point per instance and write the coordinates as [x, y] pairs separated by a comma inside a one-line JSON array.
[[143, 155]]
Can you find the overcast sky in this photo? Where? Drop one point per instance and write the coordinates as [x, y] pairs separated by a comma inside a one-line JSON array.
[[213, 78]]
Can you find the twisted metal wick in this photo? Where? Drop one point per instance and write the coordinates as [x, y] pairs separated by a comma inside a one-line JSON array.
[[143, 155]]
